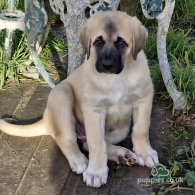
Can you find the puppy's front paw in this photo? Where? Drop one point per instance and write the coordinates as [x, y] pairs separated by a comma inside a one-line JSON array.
[[78, 163], [148, 158], [95, 177]]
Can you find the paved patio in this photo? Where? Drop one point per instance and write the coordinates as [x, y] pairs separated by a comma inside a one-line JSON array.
[[36, 166]]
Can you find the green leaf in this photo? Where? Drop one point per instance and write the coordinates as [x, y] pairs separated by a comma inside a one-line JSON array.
[[183, 150], [176, 167], [160, 193], [193, 163], [162, 188], [190, 178], [186, 134]]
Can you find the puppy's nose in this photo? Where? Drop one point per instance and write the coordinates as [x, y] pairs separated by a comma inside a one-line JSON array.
[[107, 64]]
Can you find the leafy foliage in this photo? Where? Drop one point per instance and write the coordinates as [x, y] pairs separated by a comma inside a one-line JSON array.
[[190, 178]]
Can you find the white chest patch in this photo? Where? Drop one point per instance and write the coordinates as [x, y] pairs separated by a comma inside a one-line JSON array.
[[121, 100]]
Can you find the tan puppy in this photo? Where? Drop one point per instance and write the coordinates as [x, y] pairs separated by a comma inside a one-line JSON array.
[[111, 85]]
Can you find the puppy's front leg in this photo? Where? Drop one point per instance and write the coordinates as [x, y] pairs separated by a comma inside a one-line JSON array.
[[97, 171], [140, 135]]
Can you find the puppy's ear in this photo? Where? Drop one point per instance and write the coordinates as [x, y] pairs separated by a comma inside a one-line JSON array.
[[140, 35], [85, 40]]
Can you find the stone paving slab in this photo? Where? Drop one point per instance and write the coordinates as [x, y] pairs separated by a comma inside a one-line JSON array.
[[16, 152], [36, 166], [9, 99], [76, 186], [15, 155], [47, 171], [10, 146], [125, 181]]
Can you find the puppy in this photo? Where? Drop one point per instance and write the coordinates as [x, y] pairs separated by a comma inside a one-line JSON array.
[[111, 86]]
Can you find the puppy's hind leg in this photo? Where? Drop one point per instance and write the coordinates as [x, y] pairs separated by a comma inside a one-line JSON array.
[[59, 116], [119, 154]]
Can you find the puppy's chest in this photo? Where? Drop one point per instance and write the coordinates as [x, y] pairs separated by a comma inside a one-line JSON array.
[[118, 112], [120, 106], [123, 94]]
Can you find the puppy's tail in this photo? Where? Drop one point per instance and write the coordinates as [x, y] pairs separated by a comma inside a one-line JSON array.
[[32, 130]]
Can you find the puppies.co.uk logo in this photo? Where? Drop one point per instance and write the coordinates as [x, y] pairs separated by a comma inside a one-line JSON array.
[[160, 175], [160, 171]]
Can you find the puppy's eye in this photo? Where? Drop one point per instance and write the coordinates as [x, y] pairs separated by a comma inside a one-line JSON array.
[[120, 43], [99, 42]]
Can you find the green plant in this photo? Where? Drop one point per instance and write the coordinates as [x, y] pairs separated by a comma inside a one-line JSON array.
[[19, 4], [181, 55], [156, 78], [11, 70], [180, 46], [150, 47], [181, 134], [180, 49], [14, 69], [182, 172], [190, 178], [185, 80], [184, 14]]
